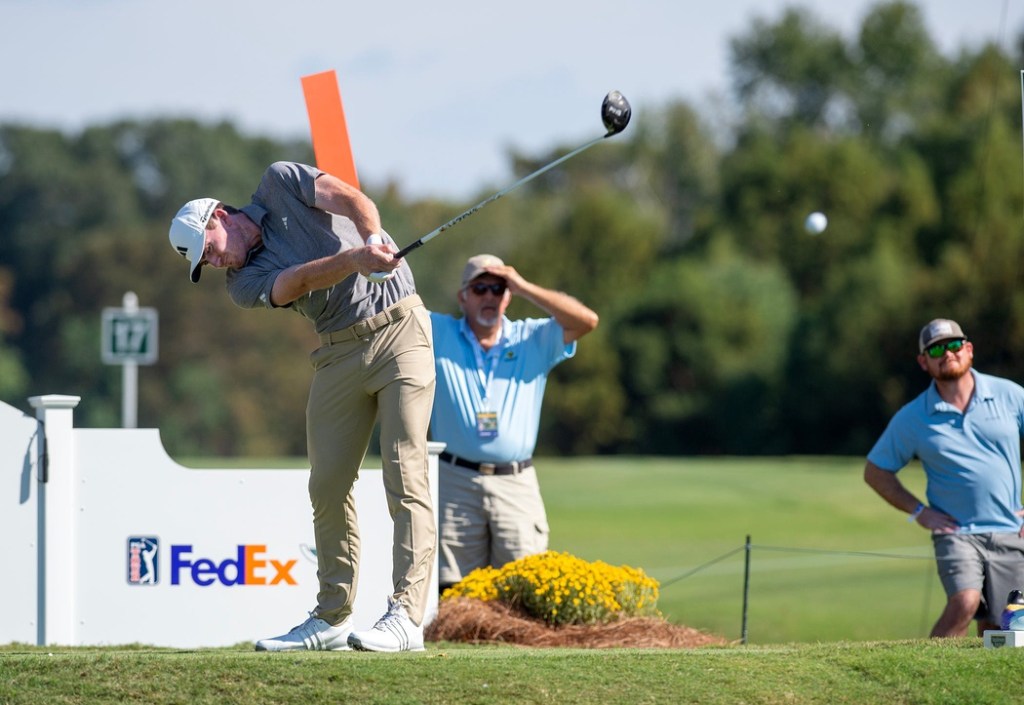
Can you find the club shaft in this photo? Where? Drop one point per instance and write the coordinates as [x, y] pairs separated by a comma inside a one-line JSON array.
[[465, 214]]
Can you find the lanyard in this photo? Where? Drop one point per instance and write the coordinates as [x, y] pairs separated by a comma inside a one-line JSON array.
[[486, 363]]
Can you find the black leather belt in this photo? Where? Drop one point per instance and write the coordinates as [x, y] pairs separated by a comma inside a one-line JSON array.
[[513, 468]]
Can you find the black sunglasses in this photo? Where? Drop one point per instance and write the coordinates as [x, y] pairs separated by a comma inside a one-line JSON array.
[[480, 288], [939, 349]]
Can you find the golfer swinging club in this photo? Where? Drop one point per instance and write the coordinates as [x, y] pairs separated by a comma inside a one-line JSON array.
[[300, 244]]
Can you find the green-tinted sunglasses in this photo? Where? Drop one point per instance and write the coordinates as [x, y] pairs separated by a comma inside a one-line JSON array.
[[939, 349]]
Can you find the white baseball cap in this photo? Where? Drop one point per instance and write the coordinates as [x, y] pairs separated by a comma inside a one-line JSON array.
[[188, 232]]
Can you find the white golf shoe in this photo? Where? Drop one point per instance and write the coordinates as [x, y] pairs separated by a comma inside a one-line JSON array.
[[312, 635], [392, 632]]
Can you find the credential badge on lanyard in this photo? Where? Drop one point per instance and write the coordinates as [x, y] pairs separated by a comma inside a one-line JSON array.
[[486, 418]]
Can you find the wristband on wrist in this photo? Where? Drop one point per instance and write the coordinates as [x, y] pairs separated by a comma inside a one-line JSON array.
[[916, 513]]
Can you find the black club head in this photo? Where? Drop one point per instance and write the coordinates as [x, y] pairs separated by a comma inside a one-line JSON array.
[[615, 112]]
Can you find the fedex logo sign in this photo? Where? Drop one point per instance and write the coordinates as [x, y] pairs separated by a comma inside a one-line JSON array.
[[247, 567]]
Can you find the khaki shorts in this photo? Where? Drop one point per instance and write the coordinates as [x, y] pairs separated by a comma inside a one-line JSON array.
[[990, 563], [487, 520]]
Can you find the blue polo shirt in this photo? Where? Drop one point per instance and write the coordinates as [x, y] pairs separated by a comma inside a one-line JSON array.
[[971, 459], [510, 384]]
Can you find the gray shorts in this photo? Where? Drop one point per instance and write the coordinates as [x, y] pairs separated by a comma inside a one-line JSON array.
[[991, 563]]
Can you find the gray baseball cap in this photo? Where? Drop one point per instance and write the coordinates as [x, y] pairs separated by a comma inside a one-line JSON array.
[[939, 329], [476, 266]]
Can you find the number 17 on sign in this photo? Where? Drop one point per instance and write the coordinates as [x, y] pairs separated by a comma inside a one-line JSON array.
[[129, 338]]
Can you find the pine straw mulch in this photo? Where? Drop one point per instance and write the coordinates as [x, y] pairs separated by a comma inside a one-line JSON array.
[[477, 622]]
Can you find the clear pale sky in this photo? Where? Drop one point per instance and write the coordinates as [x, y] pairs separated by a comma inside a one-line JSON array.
[[435, 93]]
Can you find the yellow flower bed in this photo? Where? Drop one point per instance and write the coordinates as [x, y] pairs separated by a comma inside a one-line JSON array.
[[562, 589]]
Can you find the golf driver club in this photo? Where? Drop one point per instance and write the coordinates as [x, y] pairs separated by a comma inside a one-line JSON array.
[[615, 114]]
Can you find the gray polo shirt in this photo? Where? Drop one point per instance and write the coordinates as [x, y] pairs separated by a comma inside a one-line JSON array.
[[295, 232]]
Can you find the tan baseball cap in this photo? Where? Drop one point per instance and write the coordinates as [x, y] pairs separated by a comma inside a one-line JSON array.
[[477, 265], [939, 329], [188, 232]]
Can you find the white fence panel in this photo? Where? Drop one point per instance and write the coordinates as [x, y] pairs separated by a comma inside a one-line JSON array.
[[139, 549], [19, 526]]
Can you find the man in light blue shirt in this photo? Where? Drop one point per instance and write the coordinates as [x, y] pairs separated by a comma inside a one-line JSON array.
[[491, 374], [965, 428]]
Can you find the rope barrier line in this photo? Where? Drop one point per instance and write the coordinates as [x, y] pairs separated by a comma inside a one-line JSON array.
[[702, 567], [793, 549], [865, 554], [820, 551]]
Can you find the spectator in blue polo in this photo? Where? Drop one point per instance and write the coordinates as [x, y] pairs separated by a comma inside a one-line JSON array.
[[965, 428], [491, 374]]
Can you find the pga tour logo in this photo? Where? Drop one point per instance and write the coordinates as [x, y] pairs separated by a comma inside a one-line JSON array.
[[248, 565], [142, 560]]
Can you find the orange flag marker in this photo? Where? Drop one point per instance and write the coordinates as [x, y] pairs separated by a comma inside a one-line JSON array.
[[327, 126]]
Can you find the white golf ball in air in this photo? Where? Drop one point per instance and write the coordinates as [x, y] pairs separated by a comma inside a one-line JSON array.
[[816, 223]]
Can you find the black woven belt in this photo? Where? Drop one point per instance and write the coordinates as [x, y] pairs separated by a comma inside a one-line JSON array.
[[513, 468]]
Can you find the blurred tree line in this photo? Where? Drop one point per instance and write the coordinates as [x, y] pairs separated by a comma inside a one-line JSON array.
[[725, 327]]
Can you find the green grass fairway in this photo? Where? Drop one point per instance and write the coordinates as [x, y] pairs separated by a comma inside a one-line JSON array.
[[671, 516], [944, 672]]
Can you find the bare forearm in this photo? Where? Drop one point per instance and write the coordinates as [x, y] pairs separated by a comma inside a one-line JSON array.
[[889, 488], [335, 196], [892, 491], [575, 319], [300, 279]]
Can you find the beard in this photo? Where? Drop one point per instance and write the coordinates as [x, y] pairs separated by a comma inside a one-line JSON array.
[[951, 373], [488, 320]]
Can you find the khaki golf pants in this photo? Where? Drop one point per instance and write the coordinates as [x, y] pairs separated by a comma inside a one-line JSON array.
[[487, 520], [385, 369]]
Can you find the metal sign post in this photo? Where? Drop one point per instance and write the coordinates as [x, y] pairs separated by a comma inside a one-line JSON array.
[[129, 337]]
